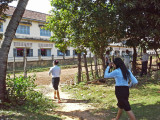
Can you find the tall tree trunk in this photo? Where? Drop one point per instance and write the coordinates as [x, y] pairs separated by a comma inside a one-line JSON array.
[[85, 65], [96, 66], [5, 47], [134, 61], [79, 67], [103, 63]]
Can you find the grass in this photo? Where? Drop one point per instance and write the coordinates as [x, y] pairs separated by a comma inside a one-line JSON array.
[[41, 69], [29, 111], [144, 99], [19, 113], [24, 103]]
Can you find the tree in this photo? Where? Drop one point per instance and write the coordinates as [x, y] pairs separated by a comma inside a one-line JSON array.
[[138, 23], [86, 24], [5, 47], [4, 7]]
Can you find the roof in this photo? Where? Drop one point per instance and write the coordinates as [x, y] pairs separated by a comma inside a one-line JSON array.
[[28, 14]]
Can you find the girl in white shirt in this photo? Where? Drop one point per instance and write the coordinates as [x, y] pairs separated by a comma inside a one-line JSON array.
[[55, 71]]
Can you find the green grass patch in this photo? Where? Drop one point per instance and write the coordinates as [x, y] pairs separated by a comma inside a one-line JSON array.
[[144, 99], [39, 69]]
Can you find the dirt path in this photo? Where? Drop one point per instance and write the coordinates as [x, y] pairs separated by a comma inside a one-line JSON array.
[[66, 74], [70, 109]]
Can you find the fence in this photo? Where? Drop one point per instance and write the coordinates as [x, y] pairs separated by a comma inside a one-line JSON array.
[[24, 64]]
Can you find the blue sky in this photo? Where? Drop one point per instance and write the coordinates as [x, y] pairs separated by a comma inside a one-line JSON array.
[[42, 6]]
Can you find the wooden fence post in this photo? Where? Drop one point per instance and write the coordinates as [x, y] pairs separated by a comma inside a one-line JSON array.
[[52, 57], [25, 62], [14, 66], [39, 59]]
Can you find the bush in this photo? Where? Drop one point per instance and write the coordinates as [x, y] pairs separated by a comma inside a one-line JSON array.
[[21, 94], [18, 87]]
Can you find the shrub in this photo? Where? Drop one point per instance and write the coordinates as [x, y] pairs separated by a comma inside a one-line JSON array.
[[18, 87], [21, 94]]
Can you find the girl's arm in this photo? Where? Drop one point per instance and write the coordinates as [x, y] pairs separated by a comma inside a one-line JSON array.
[[111, 74], [134, 81], [50, 71]]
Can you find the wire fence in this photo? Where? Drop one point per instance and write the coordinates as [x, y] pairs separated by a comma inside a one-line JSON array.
[[24, 64]]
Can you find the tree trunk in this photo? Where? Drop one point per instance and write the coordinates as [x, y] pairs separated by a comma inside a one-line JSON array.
[[96, 67], [134, 61], [85, 65], [5, 47], [79, 67], [103, 63], [63, 55]]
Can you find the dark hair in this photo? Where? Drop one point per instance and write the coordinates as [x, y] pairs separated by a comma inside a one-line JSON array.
[[55, 62], [120, 64]]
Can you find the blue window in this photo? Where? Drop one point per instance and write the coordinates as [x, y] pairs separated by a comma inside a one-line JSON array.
[[59, 53], [20, 52], [44, 52], [44, 32], [67, 53], [1, 27], [23, 29]]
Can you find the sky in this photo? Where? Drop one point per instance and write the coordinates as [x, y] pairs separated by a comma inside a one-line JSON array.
[[42, 6]]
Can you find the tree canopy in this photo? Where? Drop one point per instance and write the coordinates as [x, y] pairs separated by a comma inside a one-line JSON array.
[[94, 24]]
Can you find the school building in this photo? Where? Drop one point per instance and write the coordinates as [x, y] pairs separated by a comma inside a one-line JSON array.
[[35, 40], [31, 36]]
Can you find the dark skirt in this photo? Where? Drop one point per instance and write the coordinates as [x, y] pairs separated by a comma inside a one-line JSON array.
[[122, 94], [55, 82]]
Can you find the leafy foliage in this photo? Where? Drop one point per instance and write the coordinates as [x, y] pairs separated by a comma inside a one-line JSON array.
[[4, 7], [21, 92], [18, 87]]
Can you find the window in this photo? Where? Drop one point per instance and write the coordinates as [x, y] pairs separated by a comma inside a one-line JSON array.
[[44, 32], [59, 53], [23, 29], [20, 52], [1, 27], [44, 52], [74, 53], [67, 53]]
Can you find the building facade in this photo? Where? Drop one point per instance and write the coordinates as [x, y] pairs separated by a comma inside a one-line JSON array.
[[31, 39]]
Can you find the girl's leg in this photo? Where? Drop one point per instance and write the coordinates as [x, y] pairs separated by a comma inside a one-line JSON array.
[[131, 115], [59, 100], [118, 114], [55, 97]]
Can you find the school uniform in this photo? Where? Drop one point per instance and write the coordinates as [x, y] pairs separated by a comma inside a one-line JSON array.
[[121, 87]]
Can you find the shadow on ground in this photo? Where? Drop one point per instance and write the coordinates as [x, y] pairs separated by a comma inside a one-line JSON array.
[[83, 115], [21, 114]]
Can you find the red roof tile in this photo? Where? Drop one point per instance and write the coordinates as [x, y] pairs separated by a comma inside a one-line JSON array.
[[29, 14]]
